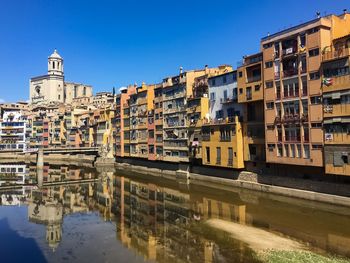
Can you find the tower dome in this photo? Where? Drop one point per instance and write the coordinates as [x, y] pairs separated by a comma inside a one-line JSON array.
[[55, 64], [55, 55]]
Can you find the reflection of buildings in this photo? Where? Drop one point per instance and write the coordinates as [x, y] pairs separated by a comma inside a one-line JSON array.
[[12, 174], [47, 211], [49, 206], [161, 223], [168, 225]]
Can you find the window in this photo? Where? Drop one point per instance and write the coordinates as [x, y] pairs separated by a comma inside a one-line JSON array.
[[302, 40], [316, 100], [212, 96], [230, 156], [316, 125], [279, 150], [306, 151], [269, 105], [271, 147], [225, 95], [240, 74], [268, 64], [269, 84], [312, 30], [314, 52], [316, 146], [257, 87], [240, 90], [84, 91], [292, 150], [224, 79], [314, 75], [268, 45], [207, 150], [298, 152], [218, 155]]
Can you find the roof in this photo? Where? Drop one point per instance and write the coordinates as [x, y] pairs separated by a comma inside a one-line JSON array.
[[291, 29], [55, 55]]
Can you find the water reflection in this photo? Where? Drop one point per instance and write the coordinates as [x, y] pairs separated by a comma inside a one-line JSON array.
[[163, 221]]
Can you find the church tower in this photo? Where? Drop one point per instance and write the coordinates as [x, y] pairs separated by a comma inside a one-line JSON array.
[[55, 64]]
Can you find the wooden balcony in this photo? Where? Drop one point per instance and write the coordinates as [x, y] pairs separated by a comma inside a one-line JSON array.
[[337, 83], [336, 110], [337, 138], [335, 54]]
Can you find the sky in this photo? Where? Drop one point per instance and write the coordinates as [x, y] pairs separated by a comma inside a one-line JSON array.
[[116, 43]]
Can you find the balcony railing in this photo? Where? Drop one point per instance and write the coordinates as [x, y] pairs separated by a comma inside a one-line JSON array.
[[292, 94], [289, 51], [334, 54], [225, 138], [290, 72], [206, 137], [254, 78], [292, 138]]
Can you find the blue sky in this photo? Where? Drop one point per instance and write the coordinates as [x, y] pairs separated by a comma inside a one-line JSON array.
[[116, 43]]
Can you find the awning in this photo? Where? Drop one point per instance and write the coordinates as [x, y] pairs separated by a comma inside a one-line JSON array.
[[335, 95], [337, 120]]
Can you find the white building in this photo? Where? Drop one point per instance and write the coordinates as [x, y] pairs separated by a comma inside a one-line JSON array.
[[223, 96], [13, 128], [53, 88]]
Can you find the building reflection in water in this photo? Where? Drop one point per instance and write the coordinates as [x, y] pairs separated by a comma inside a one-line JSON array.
[[166, 223], [49, 205]]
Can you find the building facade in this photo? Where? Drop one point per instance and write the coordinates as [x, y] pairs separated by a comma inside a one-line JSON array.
[[52, 86]]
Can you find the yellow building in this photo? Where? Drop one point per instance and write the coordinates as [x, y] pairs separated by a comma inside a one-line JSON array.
[[223, 143], [251, 97], [335, 74]]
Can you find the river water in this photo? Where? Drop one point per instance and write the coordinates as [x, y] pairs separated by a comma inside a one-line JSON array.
[[127, 217]]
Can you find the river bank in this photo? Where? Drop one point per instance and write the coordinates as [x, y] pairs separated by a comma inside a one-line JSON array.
[[313, 190]]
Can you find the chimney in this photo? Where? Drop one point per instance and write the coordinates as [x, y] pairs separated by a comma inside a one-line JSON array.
[[318, 14], [181, 70], [345, 11]]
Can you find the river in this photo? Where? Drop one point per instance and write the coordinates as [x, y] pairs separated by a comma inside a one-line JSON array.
[[128, 217]]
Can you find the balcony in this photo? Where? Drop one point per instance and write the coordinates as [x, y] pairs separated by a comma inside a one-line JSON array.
[[335, 54], [336, 110], [290, 72], [289, 51], [206, 137], [336, 83], [292, 94], [228, 100], [291, 118], [293, 138], [337, 138], [225, 138], [254, 79]]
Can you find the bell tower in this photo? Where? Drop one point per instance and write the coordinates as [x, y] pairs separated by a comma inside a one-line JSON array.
[[55, 64]]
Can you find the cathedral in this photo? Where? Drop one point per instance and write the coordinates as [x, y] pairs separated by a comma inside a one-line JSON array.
[[52, 86]]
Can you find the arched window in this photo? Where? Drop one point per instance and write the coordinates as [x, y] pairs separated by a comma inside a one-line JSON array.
[[84, 91], [53, 64]]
